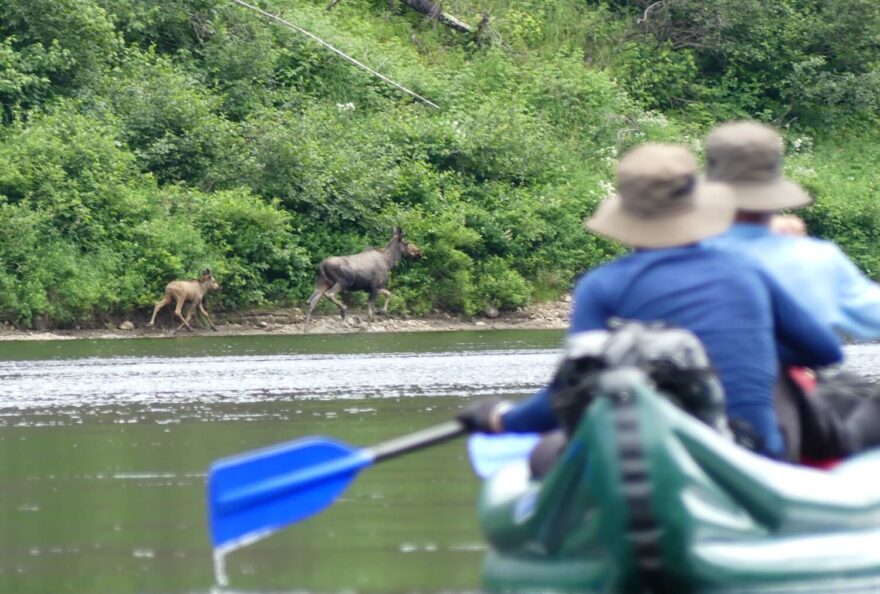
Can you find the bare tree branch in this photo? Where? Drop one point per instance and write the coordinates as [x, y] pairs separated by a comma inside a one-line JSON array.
[[647, 12]]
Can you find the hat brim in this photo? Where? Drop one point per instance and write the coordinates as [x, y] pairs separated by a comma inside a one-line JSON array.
[[712, 214], [769, 197]]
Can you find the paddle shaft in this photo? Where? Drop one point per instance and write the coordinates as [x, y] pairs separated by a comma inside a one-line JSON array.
[[416, 441]]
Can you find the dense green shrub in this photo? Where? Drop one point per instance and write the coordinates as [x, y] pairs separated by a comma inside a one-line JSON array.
[[144, 140], [172, 123], [814, 62], [842, 179], [67, 42]]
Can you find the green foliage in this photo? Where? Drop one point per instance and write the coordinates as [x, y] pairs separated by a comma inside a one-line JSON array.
[[660, 76], [72, 167], [68, 42], [499, 285], [168, 25], [171, 122], [144, 140], [258, 257], [816, 62], [25, 75], [842, 179]]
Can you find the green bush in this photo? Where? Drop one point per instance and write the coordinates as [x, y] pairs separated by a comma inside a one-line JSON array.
[[144, 140], [498, 285], [841, 178]]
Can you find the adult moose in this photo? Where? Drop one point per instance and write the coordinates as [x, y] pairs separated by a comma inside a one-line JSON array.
[[182, 291], [366, 271]]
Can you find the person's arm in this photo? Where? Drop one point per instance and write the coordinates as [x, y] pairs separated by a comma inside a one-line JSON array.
[[858, 299], [588, 313], [802, 340], [534, 414]]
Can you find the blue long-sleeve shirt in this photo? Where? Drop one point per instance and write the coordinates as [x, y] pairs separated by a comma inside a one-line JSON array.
[[744, 318], [816, 273]]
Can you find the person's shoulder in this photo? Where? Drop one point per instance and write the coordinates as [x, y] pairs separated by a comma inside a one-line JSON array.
[[720, 253], [598, 273], [816, 252], [615, 265], [739, 266], [607, 274], [818, 245]]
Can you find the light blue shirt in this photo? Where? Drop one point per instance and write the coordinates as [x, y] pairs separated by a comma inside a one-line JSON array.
[[816, 273]]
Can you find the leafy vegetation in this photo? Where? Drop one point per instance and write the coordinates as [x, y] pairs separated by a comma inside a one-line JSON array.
[[144, 140]]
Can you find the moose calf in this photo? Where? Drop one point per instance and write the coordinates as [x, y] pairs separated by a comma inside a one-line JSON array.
[[181, 291], [366, 271]]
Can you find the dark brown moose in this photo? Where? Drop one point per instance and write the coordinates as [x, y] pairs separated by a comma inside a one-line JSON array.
[[366, 271], [182, 291]]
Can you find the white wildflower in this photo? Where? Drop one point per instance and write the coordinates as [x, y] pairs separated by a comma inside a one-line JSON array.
[[456, 129], [653, 117], [802, 144], [605, 188]]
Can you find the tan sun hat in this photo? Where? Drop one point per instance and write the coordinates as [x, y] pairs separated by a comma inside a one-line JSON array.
[[660, 201], [747, 156]]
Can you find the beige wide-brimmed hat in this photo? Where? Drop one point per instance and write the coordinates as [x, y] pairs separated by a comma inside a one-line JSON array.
[[747, 156], [660, 202]]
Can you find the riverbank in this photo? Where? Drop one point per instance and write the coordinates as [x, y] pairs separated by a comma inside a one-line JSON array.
[[289, 321]]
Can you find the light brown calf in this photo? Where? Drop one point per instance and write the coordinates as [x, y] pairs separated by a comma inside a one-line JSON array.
[[181, 291]]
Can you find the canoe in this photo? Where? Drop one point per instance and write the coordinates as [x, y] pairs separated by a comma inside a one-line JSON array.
[[647, 499]]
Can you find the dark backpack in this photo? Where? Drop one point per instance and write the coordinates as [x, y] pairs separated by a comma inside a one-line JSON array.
[[674, 359]]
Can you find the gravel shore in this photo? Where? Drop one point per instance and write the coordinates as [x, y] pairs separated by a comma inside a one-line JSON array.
[[290, 321]]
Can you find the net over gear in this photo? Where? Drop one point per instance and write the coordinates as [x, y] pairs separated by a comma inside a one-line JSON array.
[[674, 359]]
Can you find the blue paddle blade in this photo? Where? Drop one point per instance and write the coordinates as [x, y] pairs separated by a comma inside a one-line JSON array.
[[489, 452], [256, 493]]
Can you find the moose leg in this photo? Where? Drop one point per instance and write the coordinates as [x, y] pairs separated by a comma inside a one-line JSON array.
[[387, 294], [159, 305], [331, 295], [189, 315], [205, 313], [183, 321], [192, 314], [371, 302], [313, 301]]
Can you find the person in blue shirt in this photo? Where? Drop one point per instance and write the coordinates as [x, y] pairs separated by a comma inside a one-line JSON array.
[[745, 320], [747, 156]]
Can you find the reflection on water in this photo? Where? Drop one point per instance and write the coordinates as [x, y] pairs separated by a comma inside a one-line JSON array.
[[104, 447]]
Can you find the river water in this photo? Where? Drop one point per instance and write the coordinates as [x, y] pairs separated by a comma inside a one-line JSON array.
[[104, 448]]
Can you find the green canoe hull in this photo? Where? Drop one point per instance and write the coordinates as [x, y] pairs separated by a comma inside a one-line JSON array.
[[645, 498]]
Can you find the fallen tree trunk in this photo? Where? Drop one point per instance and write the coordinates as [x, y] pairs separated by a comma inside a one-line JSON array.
[[431, 10]]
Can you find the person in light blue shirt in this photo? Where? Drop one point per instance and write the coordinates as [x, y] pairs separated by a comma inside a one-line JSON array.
[[816, 272], [842, 416]]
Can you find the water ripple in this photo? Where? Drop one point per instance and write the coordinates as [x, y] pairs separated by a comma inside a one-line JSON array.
[[97, 382]]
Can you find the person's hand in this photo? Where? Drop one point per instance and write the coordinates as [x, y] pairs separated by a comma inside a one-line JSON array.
[[788, 225], [484, 415]]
